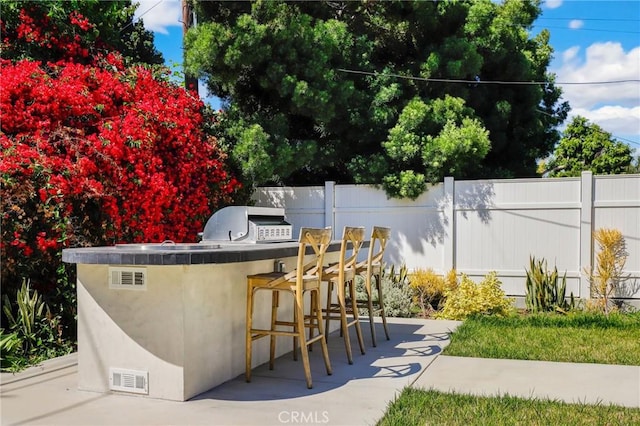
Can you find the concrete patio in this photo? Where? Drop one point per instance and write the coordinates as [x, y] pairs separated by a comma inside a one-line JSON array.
[[355, 394]]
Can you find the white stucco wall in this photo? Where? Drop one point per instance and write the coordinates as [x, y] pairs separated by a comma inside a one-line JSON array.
[[187, 329]]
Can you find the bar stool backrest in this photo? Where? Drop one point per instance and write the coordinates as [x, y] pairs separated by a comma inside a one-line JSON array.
[[379, 237], [352, 240], [318, 239]]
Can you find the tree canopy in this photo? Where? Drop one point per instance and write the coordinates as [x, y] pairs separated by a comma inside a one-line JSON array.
[[585, 146], [395, 93], [48, 30]]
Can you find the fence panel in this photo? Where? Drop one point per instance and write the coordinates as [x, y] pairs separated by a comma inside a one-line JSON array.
[[304, 206], [482, 226], [617, 205], [414, 224], [500, 224]]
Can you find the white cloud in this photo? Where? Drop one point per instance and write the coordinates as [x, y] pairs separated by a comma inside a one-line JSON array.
[[157, 15], [553, 4], [570, 54], [614, 107], [576, 24], [617, 120], [603, 62]]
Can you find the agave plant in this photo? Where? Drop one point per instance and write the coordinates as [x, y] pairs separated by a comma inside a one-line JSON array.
[[546, 291], [31, 311]]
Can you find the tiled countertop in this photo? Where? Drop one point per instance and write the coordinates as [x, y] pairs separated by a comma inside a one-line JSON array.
[[136, 254]]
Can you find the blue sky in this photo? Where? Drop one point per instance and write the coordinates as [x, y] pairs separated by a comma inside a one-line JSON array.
[[593, 41]]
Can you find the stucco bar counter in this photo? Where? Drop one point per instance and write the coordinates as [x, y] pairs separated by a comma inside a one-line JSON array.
[[168, 322]]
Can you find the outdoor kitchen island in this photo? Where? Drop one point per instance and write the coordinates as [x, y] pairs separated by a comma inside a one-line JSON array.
[[168, 321]]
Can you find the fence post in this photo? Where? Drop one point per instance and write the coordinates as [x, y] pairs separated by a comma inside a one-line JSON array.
[[448, 212], [330, 205], [586, 232]]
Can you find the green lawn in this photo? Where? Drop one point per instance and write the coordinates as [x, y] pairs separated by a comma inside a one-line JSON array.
[[579, 337], [588, 338], [420, 407]]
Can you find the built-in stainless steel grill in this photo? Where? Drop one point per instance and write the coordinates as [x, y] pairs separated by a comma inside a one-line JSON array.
[[247, 224]]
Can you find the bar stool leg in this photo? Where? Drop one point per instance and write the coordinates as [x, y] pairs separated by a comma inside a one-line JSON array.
[[312, 317], [304, 349], [328, 309], [323, 341], [248, 336], [343, 321], [381, 302], [356, 317], [372, 325], [275, 300], [295, 338]]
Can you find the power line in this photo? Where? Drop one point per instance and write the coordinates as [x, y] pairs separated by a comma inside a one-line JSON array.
[[499, 82], [626, 140], [141, 15], [604, 132], [589, 19], [588, 29]]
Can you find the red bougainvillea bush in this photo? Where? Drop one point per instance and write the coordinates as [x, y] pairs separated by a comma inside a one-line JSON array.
[[93, 153], [99, 154]]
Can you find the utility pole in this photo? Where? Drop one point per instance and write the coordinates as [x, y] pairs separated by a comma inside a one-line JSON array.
[[190, 82]]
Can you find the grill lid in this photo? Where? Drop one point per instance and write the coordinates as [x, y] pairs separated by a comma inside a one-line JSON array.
[[247, 224]]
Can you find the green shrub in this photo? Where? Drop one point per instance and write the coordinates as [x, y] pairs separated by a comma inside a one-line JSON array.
[[10, 351], [545, 290], [397, 299], [396, 292], [36, 334], [31, 310], [469, 298]]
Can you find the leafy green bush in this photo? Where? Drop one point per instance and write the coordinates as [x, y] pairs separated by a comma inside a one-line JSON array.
[[469, 298], [10, 350], [397, 299], [36, 334], [545, 290], [396, 292]]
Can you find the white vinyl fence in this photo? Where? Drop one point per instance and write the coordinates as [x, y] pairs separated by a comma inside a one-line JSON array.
[[484, 225]]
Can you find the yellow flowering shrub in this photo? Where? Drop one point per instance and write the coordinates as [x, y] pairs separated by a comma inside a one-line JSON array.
[[429, 288], [469, 298], [607, 276]]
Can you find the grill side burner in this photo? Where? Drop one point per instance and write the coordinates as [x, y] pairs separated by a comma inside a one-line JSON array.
[[247, 224]]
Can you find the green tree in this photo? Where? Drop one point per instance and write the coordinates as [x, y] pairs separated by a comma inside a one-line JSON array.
[[634, 167], [436, 139], [585, 146], [389, 93], [43, 30]]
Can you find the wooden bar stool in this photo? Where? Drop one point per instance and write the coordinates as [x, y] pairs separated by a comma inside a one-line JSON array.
[[342, 275], [305, 278], [372, 269]]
